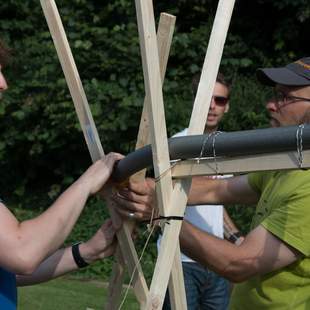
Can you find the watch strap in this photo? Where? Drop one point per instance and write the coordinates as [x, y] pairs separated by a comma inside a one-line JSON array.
[[80, 262]]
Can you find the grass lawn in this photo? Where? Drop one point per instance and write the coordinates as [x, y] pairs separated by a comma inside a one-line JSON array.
[[67, 294]]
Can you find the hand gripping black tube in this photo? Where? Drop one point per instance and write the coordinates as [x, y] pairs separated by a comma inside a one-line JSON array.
[[222, 144]]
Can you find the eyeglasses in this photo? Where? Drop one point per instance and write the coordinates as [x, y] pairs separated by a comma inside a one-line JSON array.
[[220, 100], [284, 99]]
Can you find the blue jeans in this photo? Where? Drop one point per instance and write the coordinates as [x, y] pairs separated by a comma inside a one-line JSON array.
[[204, 289]]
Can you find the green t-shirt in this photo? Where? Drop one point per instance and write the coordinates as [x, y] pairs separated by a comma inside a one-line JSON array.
[[284, 210]]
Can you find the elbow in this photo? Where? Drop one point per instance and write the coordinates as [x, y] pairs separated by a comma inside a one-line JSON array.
[[237, 272], [24, 264], [24, 268], [234, 277], [233, 273]]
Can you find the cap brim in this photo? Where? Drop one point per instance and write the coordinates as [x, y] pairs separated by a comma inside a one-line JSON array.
[[283, 76]]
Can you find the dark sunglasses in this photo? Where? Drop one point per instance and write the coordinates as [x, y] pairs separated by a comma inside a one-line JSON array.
[[220, 100]]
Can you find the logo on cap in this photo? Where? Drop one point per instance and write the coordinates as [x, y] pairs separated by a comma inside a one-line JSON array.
[[304, 65]]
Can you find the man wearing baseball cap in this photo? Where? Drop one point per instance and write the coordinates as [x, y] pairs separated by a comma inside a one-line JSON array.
[[272, 265], [290, 105]]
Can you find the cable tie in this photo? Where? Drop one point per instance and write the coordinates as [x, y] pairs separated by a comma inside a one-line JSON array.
[[168, 218]]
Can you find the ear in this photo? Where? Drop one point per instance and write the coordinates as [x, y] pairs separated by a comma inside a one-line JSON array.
[[226, 107]]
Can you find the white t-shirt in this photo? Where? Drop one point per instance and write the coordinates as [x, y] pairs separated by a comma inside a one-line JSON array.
[[208, 218]]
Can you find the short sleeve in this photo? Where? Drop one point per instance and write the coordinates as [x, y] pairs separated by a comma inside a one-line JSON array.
[[290, 221], [256, 180]]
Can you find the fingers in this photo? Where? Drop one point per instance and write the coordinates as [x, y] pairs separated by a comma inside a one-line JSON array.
[[131, 209], [128, 195], [108, 232], [136, 197], [110, 250], [115, 216], [146, 187], [102, 244], [111, 158], [139, 216], [108, 239], [107, 162], [98, 174]]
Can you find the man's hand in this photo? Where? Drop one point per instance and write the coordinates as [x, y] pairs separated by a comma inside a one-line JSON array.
[[137, 200]]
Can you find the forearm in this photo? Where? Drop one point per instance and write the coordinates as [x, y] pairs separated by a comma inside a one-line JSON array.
[[260, 253], [25, 245], [221, 256], [205, 191], [221, 191], [100, 245], [35, 239]]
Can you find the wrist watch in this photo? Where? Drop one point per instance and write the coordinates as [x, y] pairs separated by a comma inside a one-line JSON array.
[[235, 236], [80, 262]]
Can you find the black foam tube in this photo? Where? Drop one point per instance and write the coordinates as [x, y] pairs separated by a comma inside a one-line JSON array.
[[228, 144]]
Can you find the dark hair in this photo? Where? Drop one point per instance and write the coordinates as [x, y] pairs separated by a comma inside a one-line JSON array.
[[4, 54], [220, 79]]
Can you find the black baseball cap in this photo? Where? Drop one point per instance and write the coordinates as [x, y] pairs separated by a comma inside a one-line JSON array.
[[294, 74]]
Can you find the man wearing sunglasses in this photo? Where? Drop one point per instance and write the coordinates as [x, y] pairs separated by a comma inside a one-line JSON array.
[[272, 265], [204, 288]]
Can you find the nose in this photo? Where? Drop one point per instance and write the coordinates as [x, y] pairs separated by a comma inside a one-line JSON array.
[[271, 106], [3, 84], [212, 104]]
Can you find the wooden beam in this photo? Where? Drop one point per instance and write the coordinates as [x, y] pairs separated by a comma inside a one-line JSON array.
[[73, 79], [156, 115], [89, 129], [210, 67], [164, 39], [153, 88], [240, 164], [197, 122]]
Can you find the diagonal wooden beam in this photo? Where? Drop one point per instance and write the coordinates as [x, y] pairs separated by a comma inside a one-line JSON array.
[[164, 39], [156, 115], [89, 130], [198, 119]]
